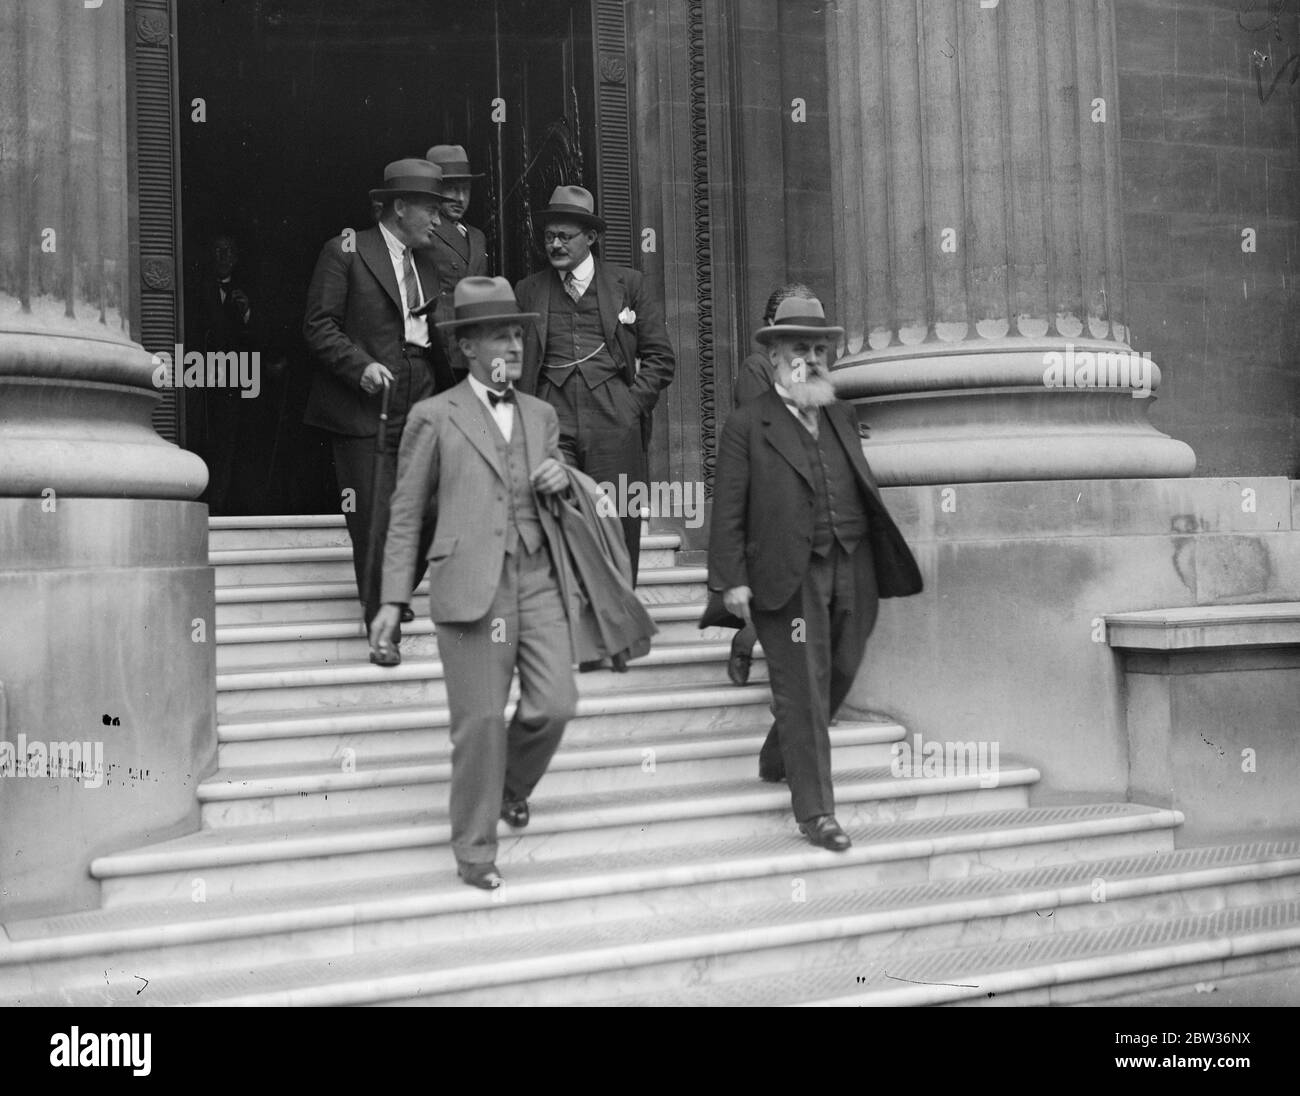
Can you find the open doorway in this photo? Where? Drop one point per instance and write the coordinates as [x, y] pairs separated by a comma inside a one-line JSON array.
[[303, 103]]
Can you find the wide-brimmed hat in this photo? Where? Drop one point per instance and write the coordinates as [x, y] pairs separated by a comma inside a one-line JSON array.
[[482, 300], [570, 203], [412, 176], [798, 316], [454, 161]]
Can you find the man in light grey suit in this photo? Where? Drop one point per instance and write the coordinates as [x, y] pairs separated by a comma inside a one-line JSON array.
[[472, 463]]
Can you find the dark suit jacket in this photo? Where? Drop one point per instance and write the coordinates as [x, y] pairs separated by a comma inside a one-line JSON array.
[[646, 338], [761, 536], [456, 257], [754, 378], [354, 317]]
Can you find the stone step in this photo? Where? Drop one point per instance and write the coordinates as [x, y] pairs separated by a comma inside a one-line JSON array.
[[280, 793], [325, 563], [293, 853], [311, 687], [366, 737], [917, 875], [286, 531], [289, 601], [1060, 968], [328, 642]]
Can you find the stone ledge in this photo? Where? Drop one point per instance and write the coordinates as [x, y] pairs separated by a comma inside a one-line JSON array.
[[1201, 627]]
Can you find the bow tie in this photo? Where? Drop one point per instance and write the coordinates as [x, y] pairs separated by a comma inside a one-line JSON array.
[[508, 396]]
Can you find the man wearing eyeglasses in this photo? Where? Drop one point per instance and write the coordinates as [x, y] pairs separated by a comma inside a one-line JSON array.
[[598, 353]]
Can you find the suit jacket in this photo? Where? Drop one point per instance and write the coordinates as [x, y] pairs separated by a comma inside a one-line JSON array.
[[754, 379], [354, 317], [763, 498], [456, 257], [641, 349], [449, 474], [595, 575]]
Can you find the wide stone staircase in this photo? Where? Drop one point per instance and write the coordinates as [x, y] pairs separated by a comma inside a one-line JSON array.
[[657, 869]]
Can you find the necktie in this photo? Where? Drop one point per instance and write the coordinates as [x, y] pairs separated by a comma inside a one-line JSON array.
[[508, 396], [571, 286], [410, 287], [462, 229], [807, 416]]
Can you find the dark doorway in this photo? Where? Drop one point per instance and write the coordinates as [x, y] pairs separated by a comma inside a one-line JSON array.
[[305, 102]]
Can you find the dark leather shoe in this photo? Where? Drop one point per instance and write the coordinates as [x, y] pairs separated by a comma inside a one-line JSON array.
[[514, 812], [591, 664], [483, 876], [825, 831], [389, 656], [738, 664], [408, 614], [770, 776]]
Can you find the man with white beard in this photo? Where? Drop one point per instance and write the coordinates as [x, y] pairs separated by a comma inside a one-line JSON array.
[[802, 546]]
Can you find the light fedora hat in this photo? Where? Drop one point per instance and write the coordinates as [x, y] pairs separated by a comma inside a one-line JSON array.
[[483, 300], [570, 203], [798, 316], [411, 176], [454, 161]]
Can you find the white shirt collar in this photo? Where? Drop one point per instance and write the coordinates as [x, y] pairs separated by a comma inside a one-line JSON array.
[[583, 273], [395, 246], [481, 390]]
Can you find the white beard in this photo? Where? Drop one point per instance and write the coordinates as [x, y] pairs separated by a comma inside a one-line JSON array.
[[816, 391]]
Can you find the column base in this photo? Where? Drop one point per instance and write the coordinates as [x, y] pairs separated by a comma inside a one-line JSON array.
[[940, 413]]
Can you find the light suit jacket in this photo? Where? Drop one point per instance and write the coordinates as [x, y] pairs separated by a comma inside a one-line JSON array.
[[449, 473]]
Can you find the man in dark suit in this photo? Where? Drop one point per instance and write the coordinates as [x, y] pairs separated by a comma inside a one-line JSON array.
[[802, 545], [472, 465], [363, 337], [459, 249], [599, 354]]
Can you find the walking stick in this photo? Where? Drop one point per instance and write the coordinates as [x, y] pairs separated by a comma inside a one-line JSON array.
[[373, 542]]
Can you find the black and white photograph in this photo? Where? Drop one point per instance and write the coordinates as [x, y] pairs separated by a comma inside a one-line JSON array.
[[651, 503]]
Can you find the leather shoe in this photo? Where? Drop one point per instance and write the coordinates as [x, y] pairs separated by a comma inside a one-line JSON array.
[[825, 831], [408, 614], [483, 876], [387, 656], [738, 664], [514, 812], [770, 776], [591, 664]]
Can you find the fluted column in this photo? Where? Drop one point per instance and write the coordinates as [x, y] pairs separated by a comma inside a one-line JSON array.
[[979, 263], [76, 390]]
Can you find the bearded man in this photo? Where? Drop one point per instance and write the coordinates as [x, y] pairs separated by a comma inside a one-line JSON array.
[[802, 547]]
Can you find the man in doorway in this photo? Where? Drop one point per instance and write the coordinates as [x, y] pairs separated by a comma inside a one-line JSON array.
[[364, 335], [472, 464], [459, 249], [802, 546], [599, 353]]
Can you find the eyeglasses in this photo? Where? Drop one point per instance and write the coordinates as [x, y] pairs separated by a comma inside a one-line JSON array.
[[560, 237]]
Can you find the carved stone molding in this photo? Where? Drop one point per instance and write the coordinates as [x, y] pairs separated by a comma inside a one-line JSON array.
[[703, 248], [151, 27], [157, 274], [613, 69]]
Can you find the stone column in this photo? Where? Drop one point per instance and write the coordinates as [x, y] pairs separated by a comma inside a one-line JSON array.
[[107, 694], [979, 262]]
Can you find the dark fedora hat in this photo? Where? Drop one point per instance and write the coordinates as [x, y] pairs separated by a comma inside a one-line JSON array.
[[798, 316], [483, 300], [412, 176], [570, 203], [454, 161]]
